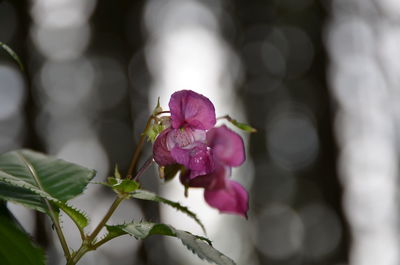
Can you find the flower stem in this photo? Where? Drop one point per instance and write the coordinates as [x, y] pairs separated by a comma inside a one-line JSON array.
[[87, 243], [162, 112], [145, 166], [103, 221], [227, 117], [102, 242], [138, 149], [78, 255]]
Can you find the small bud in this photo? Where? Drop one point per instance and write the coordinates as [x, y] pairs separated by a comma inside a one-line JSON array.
[[117, 175], [158, 108]]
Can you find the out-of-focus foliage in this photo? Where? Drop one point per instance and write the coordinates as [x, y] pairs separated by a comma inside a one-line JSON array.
[[16, 246]]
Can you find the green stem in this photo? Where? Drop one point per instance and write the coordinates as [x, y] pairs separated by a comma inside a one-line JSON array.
[[101, 242], [138, 149], [59, 231], [87, 243], [145, 166], [52, 212], [78, 255], [103, 221]]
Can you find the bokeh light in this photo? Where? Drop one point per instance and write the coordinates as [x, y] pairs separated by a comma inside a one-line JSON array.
[[94, 70], [291, 139], [279, 233], [366, 89], [12, 91], [322, 230]]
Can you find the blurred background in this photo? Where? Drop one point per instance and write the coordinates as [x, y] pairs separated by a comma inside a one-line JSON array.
[[318, 79]]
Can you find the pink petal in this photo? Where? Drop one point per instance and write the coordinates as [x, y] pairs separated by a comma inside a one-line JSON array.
[[182, 156], [185, 138], [215, 180], [161, 153], [227, 146], [197, 159], [193, 109], [233, 199]]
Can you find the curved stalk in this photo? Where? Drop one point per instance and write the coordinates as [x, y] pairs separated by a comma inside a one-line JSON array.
[[88, 242], [138, 148], [145, 166], [103, 221]]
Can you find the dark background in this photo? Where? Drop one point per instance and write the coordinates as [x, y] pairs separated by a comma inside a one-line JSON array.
[[296, 215]]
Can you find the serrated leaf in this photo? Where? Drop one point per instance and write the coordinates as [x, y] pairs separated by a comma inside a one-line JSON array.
[[31, 178], [61, 179], [16, 247], [12, 54], [78, 216], [198, 245], [33, 198], [150, 196], [202, 249]]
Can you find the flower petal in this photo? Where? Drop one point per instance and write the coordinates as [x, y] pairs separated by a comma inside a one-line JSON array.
[[233, 199], [193, 109], [215, 180], [185, 138], [161, 153], [197, 159], [227, 146]]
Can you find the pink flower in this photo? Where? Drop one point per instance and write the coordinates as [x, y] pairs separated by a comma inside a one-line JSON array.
[[185, 141], [219, 191], [208, 154], [190, 109]]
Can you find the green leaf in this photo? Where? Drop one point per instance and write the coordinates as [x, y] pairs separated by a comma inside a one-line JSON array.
[[16, 246], [31, 178], [150, 196], [197, 244], [243, 126], [153, 131], [203, 250], [78, 216], [12, 54], [61, 179], [122, 185], [34, 198]]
